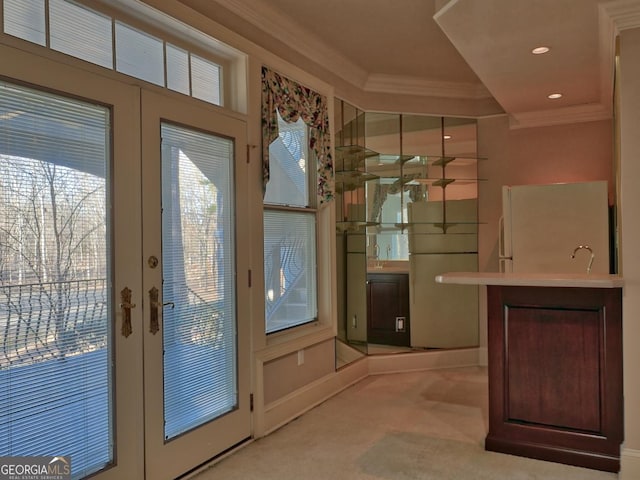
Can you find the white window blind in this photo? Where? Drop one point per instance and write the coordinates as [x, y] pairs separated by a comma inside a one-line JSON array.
[[290, 268], [139, 55], [177, 69], [25, 20], [80, 32], [205, 80], [55, 356], [198, 277]]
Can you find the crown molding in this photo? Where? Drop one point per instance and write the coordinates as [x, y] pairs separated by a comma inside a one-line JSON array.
[[560, 116], [606, 52], [278, 26], [383, 83], [624, 14], [273, 23], [614, 17]]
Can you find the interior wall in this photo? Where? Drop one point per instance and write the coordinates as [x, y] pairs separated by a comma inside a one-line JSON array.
[[565, 153], [286, 374], [629, 101]]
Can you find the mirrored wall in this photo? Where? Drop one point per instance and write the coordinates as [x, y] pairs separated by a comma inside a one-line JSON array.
[[406, 211]]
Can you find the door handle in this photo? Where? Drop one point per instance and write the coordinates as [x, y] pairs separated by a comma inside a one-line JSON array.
[[126, 306], [154, 320], [154, 323]]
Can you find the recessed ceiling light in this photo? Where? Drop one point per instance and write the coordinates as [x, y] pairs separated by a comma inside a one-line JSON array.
[[540, 50], [446, 137], [554, 96]]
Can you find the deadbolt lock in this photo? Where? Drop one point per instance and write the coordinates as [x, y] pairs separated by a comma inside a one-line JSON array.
[[153, 261]]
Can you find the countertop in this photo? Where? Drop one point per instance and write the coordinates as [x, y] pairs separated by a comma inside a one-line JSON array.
[[583, 280]]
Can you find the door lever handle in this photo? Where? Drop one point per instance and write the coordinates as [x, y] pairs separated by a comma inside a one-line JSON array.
[[126, 306], [154, 323]]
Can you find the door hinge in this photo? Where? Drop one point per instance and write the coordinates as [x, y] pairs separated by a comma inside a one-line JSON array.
[[248, 154], [249, 278], [251, 402]]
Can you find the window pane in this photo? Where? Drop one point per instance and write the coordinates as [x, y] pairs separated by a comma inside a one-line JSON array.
[[139, 55], [26, 20], [55, 355], [290, 268], [198, 278], [288, 174], [80, 32], [177, 69], [205, 80]]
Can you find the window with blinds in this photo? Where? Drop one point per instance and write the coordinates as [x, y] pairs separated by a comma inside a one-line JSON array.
[[55, 355], [84, 33], [289, 232], [198, 278]]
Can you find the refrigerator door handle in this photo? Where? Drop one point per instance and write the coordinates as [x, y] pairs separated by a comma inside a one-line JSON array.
[[505, 259], [502, 251], [505, 265]]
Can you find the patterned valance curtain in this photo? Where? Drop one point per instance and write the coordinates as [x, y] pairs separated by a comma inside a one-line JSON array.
[[293, 101]]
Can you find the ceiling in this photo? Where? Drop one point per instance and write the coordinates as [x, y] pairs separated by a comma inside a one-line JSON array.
[[467, 50]]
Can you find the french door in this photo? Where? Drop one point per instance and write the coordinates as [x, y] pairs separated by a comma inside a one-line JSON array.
[[122, 344], [196, 367]]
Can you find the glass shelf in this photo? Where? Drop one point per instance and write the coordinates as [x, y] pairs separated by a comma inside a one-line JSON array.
[[443, 161], [391, 226], [390, 160], [353, 157], [354, 175], [443, 182], [354, 226]]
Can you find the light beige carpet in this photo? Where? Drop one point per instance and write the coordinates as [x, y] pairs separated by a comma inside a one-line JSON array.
[[422, 425]]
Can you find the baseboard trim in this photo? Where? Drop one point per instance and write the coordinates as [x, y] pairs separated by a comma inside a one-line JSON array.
[[283, 410], [412, 362], [629, 464], [552, 453]]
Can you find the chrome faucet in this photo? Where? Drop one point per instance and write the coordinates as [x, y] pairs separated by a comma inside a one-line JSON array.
[[584, 247]]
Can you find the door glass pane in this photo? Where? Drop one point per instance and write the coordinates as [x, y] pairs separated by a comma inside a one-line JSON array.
[[199, 313], [55, 355]]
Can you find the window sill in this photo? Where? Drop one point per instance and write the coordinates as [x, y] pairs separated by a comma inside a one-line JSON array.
[[283, 343]]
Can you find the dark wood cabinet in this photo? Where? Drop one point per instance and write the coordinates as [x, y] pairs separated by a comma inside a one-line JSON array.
[[555, 374], [388, 309]]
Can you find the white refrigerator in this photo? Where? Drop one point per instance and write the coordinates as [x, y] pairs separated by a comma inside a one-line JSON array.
[[556, 228]]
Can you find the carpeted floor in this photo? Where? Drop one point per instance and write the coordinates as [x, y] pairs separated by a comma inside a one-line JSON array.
[[421, 425]]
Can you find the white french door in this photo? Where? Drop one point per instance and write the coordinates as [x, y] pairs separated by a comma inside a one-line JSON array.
[[123, 345], [196, 366]]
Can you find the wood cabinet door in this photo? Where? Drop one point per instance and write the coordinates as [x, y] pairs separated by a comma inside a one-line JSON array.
[[388, 309], [555, 374]]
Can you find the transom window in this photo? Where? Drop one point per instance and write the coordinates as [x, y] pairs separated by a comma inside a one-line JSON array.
[[94, 37]]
